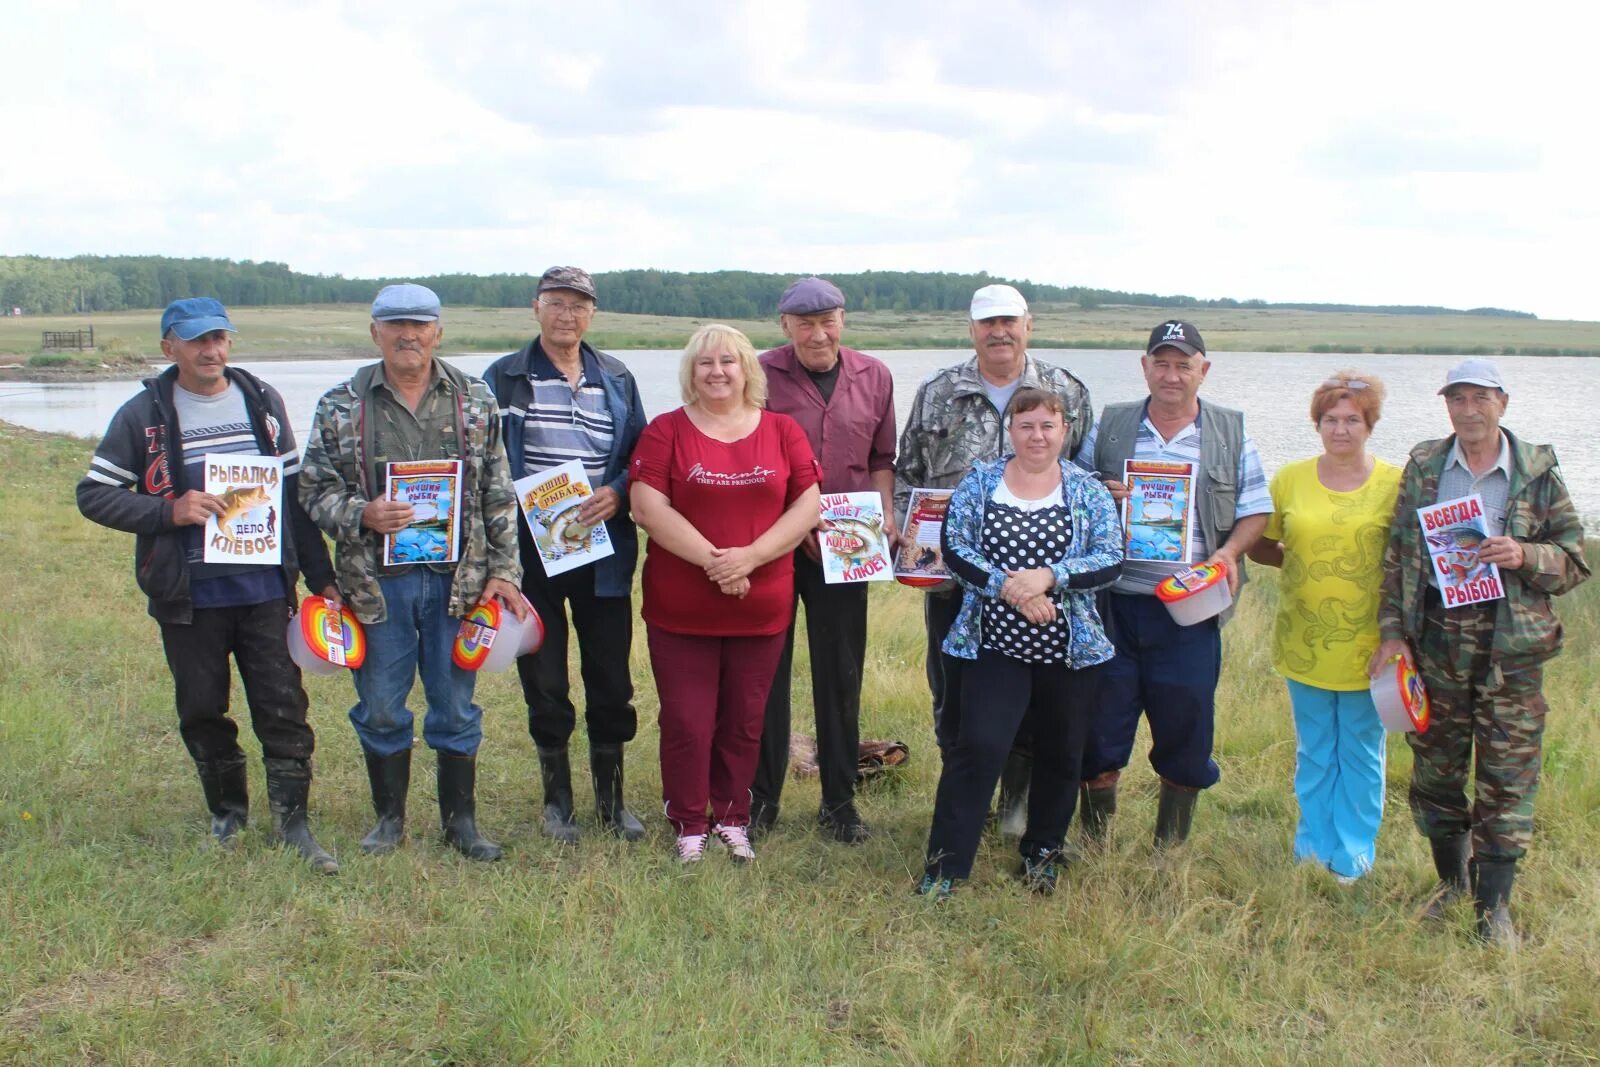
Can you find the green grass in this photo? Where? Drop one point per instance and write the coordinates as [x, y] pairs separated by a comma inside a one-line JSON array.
[[125, 940], [330, 331]]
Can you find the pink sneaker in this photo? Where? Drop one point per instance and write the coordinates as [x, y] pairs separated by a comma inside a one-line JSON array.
[[691, 847], [737, 841]]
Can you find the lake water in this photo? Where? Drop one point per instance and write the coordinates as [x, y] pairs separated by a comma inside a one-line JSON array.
[[1550, 397]]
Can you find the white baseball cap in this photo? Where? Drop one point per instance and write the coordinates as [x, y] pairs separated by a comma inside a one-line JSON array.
[[994, 301]]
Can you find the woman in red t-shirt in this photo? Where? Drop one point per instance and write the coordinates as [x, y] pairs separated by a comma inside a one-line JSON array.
[[725, 490]]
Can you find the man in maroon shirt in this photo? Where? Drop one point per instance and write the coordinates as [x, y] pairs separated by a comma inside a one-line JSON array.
[[844, 401]]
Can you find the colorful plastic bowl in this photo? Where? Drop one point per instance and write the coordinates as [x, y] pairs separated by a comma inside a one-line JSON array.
[[324, 639], [1401, 698], [1197, 594], [491, 638]]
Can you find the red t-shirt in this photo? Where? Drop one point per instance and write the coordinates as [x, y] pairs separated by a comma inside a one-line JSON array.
[[732, 492]]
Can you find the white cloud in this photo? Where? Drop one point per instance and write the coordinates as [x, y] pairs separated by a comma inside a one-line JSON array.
[[1364, 151]]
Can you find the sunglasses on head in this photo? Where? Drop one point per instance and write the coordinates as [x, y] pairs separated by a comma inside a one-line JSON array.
[[1345, 383]]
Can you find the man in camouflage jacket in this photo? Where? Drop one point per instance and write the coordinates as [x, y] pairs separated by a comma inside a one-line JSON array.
[[1482, 663], [410, 406], [957, 420]]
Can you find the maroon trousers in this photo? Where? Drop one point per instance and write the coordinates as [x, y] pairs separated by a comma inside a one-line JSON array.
[[713, 693]]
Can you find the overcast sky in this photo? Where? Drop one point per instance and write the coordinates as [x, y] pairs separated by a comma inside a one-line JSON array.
[[1388, 152]]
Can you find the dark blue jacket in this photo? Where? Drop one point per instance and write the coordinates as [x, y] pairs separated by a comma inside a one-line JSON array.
[[507, 378]]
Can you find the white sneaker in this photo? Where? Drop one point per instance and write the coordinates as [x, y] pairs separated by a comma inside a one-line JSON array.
[[691, 847], [737, 840]]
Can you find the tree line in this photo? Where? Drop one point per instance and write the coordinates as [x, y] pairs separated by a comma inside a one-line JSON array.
[[42, 285]]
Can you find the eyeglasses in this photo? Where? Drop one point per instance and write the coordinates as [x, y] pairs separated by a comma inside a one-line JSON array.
[[1353, 384], [577, 311]]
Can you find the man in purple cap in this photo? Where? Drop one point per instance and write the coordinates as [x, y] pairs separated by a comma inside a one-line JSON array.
[[560, 400], [1483, 662], [148, 478], [844, 401]]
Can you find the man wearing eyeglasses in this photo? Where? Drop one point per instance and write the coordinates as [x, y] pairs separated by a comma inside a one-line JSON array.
[[561, 400], [1164, 671], [1483, 663]]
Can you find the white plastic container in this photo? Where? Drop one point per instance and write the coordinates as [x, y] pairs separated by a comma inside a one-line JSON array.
[[1197, 594], [491, 638], [324, 641], [1401, 698]]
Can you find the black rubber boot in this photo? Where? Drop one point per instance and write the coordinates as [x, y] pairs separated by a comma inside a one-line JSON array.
[[1011, 810], [288, 786], [1095, 809], [1450, 859], [1492, 895], [605, 765], [458, 808], [227, 792], [390, 777], [1174, 813], [763, 817], [555, 770]]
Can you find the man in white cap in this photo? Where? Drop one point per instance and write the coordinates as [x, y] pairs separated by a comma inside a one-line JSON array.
[[411, 406], [1483, 663], [957, 419]]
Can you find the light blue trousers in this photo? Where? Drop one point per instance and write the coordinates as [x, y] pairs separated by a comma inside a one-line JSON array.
[[1338, 777]]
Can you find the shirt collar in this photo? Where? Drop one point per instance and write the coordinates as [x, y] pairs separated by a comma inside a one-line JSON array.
[[1502, 462], [436, 377], [541, 367]]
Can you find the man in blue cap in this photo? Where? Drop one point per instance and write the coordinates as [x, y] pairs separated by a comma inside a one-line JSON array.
[[148, 478], [411, 406], [844, 401]]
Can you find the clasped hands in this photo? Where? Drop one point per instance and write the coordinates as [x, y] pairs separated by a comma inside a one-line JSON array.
[[730, 568], [1029, 592]]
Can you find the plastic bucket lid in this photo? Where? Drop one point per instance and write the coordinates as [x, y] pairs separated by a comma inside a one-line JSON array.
[[1196, 594], [1401, 698], [491, 638], [324, 641]]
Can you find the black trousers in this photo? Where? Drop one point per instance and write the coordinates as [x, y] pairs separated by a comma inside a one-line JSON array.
[[836, 634], [939, 611], [998, 694], [604, 625], [197, 655]]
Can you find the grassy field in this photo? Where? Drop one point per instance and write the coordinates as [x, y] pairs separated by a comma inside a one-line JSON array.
[[126, 940], [341, 330]]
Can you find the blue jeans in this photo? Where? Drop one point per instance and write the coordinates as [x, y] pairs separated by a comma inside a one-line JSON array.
[[417, 634], [1338, 777]]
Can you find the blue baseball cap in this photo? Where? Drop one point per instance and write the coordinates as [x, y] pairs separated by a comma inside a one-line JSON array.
[[408, 300], [194, 315]]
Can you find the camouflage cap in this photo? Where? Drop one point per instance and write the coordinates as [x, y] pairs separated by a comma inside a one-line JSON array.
[[575, 278]]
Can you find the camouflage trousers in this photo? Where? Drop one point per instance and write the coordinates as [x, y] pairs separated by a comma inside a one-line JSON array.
[[1483, 719]]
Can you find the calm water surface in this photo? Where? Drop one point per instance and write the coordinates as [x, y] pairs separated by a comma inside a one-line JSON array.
[[1550, 397]]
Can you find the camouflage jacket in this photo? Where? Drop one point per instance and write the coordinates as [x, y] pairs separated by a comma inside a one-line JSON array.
[[953, 425], [334, 488], [1539, 515]]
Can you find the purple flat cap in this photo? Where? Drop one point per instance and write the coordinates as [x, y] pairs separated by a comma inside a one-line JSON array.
[[810, 296]]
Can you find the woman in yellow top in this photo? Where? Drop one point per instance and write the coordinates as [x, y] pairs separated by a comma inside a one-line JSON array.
[[1329, 525]]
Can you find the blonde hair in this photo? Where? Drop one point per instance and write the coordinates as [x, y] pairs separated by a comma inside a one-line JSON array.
[[1367, 396], [718, 337]]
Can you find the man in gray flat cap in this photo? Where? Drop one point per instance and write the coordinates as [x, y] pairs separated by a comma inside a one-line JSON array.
[[411, 406], [562, 400], [1483, 661], [844, 401]]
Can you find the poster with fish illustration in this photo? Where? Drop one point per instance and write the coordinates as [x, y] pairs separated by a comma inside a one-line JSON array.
[[919, 562], [551, 500], [251, 491], [433, 489], [1158, 516], [1454, 530], [851, 538]]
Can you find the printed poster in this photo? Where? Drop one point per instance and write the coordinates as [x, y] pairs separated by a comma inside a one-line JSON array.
[[433, 489], [919, 556], [854, 548], [1158, 516], [1454, 530], [550, 500], [251, 491]]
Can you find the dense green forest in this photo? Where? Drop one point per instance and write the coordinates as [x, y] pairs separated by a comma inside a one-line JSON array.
[[40, 285]]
